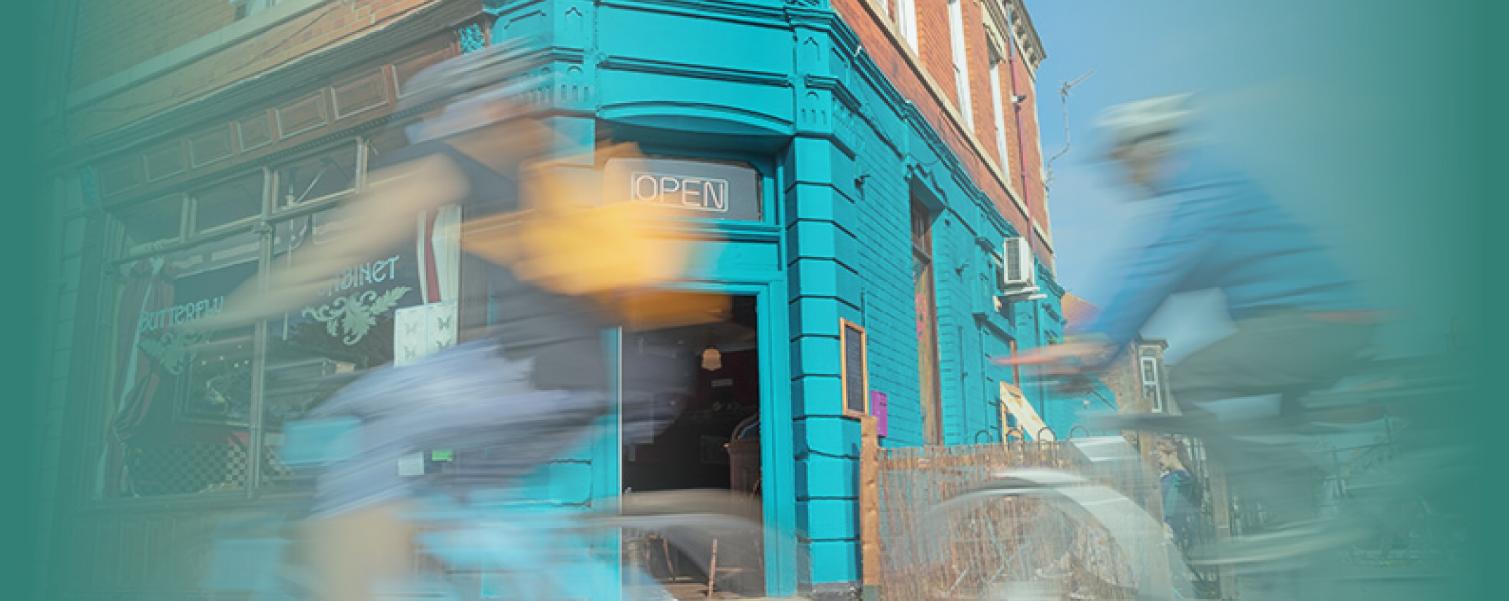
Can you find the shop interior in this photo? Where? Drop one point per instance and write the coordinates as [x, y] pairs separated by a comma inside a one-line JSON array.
[[711, 442]]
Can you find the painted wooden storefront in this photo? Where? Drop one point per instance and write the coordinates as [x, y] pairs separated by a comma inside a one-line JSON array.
[[785, 87]]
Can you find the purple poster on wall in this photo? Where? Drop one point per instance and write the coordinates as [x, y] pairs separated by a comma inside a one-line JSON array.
[[878, 409]]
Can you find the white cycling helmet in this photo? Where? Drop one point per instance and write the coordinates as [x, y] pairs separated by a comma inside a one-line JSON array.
[[462, 86], [1144, 120]]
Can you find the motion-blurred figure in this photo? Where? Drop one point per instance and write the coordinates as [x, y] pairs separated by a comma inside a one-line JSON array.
[[1180, 491], [562, 268], [1300, 323]]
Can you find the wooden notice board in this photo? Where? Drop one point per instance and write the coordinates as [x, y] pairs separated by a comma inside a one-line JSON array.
[[853, 370]]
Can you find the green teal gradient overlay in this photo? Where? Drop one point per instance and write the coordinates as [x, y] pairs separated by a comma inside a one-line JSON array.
[[20, 346], [1485, 162], [1404, 93], [1461, 164], [1470, 168], [1434, 90]]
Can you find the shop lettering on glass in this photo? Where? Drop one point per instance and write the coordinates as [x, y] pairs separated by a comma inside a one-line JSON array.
[[350, 317], [706, 189], [366, 274], [192, 297], [179, 314]]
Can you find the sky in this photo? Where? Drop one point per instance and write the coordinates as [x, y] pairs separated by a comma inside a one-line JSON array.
[[1306, 96]]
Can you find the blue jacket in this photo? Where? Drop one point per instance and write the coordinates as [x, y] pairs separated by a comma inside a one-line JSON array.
[[1223, 232]]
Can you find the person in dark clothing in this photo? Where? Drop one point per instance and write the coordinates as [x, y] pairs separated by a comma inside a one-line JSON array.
[[1181, 494]]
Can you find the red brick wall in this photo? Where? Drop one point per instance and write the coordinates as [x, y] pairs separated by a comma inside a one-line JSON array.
[[326, 25], [1030, 175], [115, 35], [935, 56], [933, 44], [1009, 163], [976, 50]]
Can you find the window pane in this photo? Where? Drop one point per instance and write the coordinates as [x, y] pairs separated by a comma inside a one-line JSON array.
[[1149, 371], [179, 401], [385, 141], [317, 176], [961, 60], [379, 148], [328, 325], [348, 328], [152, 221], [228, 202]]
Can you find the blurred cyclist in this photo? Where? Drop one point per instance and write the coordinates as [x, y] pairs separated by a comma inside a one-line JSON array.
[[561, 270], [1300, 323]]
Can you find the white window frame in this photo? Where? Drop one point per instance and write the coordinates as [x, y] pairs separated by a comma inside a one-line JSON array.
[[998, 109], [961, 60], [1148, 365], [906, 20]]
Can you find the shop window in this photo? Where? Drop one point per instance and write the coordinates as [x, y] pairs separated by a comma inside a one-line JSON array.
[[384, 141], [180, 400], [151, 223], [317, 176], [228, 202], [348, 327]]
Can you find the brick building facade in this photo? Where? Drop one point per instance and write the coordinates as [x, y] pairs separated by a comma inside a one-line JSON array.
[[1138, 379], [869, 244]]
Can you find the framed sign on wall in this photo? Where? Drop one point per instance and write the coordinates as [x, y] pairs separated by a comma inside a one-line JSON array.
[[854, 371]]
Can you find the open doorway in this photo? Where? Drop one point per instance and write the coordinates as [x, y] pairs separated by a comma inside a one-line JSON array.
[[712, 442]]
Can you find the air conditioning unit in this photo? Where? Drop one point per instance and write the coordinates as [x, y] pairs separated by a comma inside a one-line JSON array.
[[1018, 272], [1016, 265]]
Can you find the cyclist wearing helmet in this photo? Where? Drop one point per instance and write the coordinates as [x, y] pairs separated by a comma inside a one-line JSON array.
[[1300, 323], [529, 386]]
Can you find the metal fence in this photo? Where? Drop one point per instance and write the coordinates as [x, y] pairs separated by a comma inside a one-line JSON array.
[[1004, 545]]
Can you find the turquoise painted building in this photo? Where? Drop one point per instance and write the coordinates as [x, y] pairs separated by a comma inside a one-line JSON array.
[[847, 168], [877, 259]]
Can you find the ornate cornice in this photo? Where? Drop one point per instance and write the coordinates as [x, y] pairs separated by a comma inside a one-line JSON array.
[[1009, 18], [1023, 33]]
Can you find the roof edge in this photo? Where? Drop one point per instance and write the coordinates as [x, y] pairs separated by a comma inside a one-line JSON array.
[[1025, 32]]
